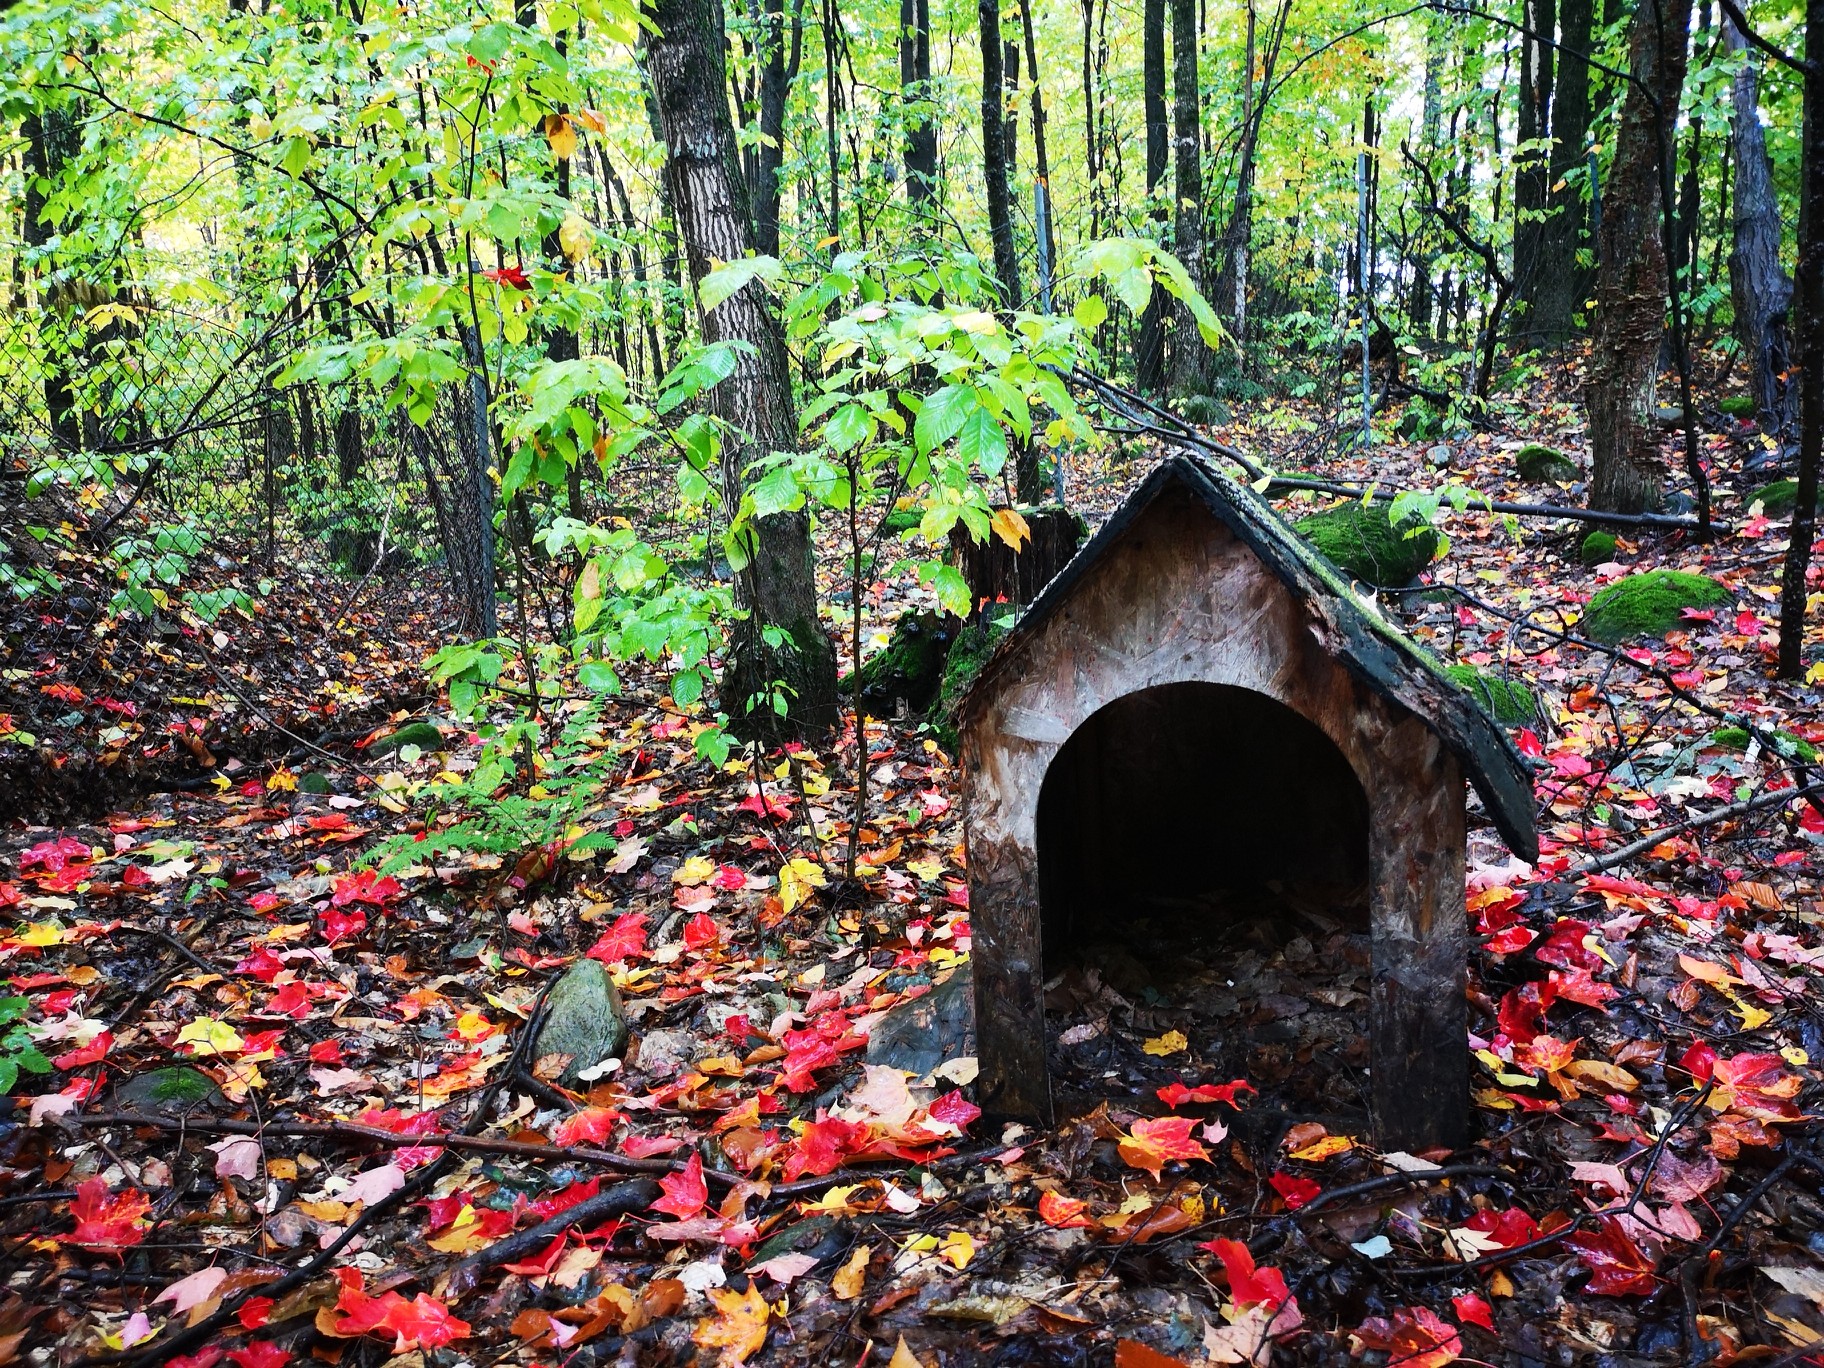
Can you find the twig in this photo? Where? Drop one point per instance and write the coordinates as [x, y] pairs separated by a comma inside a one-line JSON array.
[[1759, 803], [620, 1200]]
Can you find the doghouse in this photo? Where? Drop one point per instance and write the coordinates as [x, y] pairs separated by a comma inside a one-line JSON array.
[[1197, 693]]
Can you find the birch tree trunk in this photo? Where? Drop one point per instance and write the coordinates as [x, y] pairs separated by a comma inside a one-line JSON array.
[[708, 196]]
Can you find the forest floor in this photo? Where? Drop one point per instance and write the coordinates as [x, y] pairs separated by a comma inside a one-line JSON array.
[[292, 1111]]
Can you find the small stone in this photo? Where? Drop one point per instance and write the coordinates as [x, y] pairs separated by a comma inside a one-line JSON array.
[[1649, 604], [1598, 548], [170, 1092], [927, 1031], [1362, 542], [584, 1019], [665, 1053], [1439, 456]]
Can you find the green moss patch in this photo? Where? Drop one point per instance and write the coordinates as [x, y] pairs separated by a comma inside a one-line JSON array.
[[423, 735], [1543, 464], [1737, 406], [1649, 604], [1784, 743], [1360, 541], [1505, 700], [973, 645], [1598, 548], [1776, 499]]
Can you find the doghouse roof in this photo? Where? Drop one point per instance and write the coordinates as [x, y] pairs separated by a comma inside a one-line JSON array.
[[1380, 656]]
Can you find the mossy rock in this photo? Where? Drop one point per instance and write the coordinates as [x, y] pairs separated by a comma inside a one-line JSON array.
[[1361, 542], [968, 653], [1737, 406], [909, 668], [901, 521], [421, 734], [1784, 743], [1776, 499], [1598, 548], [1503, 699], [1203, 409], [584, 1021], [1649, 604], [1543, 464], [169, 1092]]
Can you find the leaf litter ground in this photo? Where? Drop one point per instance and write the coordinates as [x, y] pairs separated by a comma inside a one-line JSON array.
[[292, 1111]]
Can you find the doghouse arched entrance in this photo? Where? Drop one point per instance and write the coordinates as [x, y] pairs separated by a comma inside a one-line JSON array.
[[1203, 856]]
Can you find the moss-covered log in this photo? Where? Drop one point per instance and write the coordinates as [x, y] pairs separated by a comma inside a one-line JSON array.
[[1361, 541]]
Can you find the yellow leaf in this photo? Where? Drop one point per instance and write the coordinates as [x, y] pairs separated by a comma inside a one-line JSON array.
[[1611, 1076], [573, 236], [1705, 971], [796, 881], [958, 1247], [1010, 527], [39, 933], [739, 1326], [904, 1357], [210, 1037], [695, 870], [592, 121], [1168, 1044], [1327, 1148], [976, 322], [282, 780], [1753, 1018], [561, 134], [849, 1279]]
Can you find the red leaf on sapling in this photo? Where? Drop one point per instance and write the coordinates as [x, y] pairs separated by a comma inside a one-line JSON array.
[[685, 1193]]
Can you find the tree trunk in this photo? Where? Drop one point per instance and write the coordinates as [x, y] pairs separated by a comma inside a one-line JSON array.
[[1040, 159], [1628, 475], [1190, 357], [1562, 285], [915, 89], [1149, 341], [1758, 284], [51, 140], [1809, 297], [775, 86], [994, 152], [1531, 159], [777, 588]]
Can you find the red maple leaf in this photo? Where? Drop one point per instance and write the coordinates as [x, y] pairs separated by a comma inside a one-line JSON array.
[[422, 1323], [1296, 1191], [261, 1354], [1473, 1310], [1063, 1213], [366, 886], [92, 1053], [685, 1193], [590, 1126], [339, 926], [955, 1109], [1176, 1094], [1413, 1337], [1618, 1266], [827, 1143], [1505, 1228], [104, 1221], [700, 931], [1154, 1142], [1248, 1284], [514, 277], [625, 940]]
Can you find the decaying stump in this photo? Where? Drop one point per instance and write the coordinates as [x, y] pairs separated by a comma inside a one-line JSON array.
[[999, 577]]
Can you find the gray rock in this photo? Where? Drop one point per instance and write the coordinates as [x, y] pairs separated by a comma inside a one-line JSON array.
[[930, 1030], [584, 1020], [169, 1092], [664, 1053]]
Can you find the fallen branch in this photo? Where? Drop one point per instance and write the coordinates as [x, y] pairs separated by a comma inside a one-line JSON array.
[[1759, 803], [620, 1200], [1127, 402]]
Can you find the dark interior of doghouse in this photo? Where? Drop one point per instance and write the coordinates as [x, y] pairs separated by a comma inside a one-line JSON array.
[[1203, 868]]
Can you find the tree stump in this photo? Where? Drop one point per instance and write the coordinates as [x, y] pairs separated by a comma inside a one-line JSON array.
[[1000, 577]]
